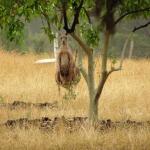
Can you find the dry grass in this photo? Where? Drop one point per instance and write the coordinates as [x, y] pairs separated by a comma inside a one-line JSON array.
[[126, 96]]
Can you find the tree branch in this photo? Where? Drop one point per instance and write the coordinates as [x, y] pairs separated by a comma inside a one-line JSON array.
[[100, 86], [121, 58], [83, 46], [104, 51], [87, 14], [84, 74], [124, 48], [65, 16], [76, 17], [112, 70], [131, 12], [141, 26], [104, 73], [123, 51]]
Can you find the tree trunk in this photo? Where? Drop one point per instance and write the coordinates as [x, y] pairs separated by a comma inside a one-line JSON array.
[[93, 108], [103, 79], [131, 49], [104, 74], [94, 95]]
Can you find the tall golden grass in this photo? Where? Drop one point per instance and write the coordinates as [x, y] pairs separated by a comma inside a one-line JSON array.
[[126, 95]]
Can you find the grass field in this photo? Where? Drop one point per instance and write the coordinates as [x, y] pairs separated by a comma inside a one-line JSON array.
[[126, 96]]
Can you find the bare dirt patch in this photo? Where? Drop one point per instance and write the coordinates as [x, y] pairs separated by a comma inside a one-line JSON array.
[[25, 105], [71, 124]]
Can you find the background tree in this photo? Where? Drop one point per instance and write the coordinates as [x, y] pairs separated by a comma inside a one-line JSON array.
[[93, 19]]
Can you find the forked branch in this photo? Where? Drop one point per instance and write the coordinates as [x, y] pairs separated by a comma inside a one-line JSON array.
[[76, 17], [122, 56], [113, 70], [104, 73], [125, 47], [64, 11]]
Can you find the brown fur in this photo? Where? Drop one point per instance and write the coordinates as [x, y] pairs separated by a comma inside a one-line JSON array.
[[66, 71]]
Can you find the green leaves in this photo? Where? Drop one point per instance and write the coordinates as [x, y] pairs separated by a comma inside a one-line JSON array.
[[90, 34], [15, 29], [130, 6], [49, 33], [15, 13]]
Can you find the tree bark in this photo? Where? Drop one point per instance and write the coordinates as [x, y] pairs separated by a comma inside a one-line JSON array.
[[93, 109], [131, 49], [104, 73], [94, 95], [85, 48]]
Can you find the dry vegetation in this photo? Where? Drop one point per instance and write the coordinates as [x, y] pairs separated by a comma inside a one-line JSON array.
[[126, 96]]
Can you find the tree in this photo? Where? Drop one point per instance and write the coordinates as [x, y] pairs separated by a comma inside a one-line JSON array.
[[90, 17]]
